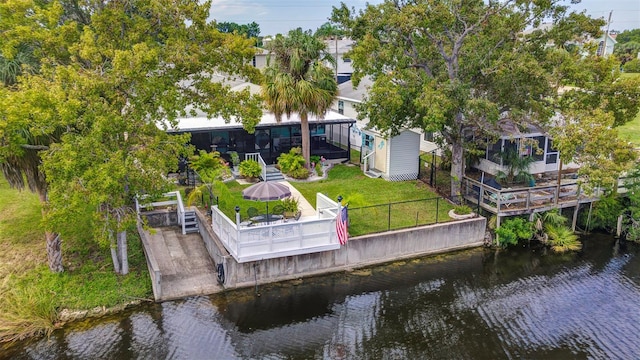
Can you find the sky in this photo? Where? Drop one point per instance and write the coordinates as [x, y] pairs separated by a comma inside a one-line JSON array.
[[280, 16]]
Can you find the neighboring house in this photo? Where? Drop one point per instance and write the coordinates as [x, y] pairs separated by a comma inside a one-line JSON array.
[[260, 58], [338, 48], [395, 158], [528, 142], [605, 49]]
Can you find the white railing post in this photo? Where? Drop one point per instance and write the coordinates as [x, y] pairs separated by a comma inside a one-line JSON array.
[[180, 211], [263, 165], [366, 160]]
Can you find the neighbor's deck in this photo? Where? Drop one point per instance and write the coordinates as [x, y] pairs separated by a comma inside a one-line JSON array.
[[526, 200]]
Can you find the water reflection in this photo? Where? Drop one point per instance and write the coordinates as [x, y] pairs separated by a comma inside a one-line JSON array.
[[481, 304]]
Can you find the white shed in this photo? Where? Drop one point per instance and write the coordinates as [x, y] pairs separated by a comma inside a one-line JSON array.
[[395, 159]]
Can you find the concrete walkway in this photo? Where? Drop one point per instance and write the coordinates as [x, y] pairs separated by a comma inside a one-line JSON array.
[[185, 264], [303, 204]]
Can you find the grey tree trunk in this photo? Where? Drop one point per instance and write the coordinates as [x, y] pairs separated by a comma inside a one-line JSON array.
[[457, 171], [122, 253], [115, 258], [306, 140], [54, 252], [119, 254]]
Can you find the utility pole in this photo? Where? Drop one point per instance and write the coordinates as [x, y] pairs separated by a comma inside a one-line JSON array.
[[606, 35]]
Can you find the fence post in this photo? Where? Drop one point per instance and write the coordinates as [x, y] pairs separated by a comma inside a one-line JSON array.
[[437, 208], [389, 218], [433, 168]]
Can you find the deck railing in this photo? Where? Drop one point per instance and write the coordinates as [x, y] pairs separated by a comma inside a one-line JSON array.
[[257, 157], [295, 237], [524, 199], [152, 205]]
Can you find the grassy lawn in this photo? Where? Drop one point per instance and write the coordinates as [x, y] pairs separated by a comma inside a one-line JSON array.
[[368, 200], [31, 296], [631, 130]]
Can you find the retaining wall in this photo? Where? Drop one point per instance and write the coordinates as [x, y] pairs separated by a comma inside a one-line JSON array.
[[359, 252]]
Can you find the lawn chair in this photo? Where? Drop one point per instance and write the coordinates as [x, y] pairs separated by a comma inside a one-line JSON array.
[[252, 212], [278, 210]]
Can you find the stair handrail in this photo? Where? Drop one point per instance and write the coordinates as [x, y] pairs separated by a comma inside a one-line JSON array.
[[257, 157], [180, 212], [365, 160]]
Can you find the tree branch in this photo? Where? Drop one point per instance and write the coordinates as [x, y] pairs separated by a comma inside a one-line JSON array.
[[34, 147]]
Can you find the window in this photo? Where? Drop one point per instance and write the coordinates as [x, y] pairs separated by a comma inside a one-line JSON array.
[[428, 136], [347, 60], [253, 62], [341, 107], [600, 51]]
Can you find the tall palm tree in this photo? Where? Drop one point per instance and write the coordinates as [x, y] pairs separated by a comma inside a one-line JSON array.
[[299, 81]]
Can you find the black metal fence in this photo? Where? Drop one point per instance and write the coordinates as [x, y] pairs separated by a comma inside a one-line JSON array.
[[398, 215]]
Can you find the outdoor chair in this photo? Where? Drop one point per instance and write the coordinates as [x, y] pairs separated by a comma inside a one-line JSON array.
[[278, 210], [252, 212]]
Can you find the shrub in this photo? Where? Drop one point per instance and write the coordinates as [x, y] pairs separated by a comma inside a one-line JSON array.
[[462, 210], [235, 158], [299, 173], [291, 161], [319, 169], [314, 159], [250, 169], [514, 230], [210, 166], [562, 239], [632, 66], [290, 204]]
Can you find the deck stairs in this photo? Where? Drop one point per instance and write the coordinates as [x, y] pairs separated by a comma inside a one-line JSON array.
[[190, 222], [273, 174], [373, 173]]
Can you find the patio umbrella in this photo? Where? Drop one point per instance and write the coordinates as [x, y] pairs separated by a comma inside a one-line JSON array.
[[266, 191]]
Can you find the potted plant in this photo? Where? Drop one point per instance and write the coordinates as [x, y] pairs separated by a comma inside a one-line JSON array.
[[461, 212], [250, 169], [290, 206], [235, 160]]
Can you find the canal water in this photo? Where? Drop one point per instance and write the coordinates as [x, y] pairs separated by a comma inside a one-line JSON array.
[[475, 304]]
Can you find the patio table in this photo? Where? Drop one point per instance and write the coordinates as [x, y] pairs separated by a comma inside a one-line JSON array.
[[264, 218]]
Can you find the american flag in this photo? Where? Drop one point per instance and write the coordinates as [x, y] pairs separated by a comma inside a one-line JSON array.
[[341, 226]]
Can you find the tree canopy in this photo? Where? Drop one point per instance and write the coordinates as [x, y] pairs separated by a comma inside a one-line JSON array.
[[457, 67], [629, 36], [114, 76], [251, 30]]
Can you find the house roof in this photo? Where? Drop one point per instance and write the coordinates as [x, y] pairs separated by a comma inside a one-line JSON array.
[[508, 128], [347, 92], [343, 45], [197, 120], [200, 122]]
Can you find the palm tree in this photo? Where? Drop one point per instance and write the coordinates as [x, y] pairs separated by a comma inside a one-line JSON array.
[[299, 81]]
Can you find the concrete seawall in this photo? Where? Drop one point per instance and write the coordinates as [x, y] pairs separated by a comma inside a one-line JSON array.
[[358, 252]]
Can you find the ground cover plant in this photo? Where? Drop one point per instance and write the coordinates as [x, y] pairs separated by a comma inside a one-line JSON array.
[[31, 296]]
